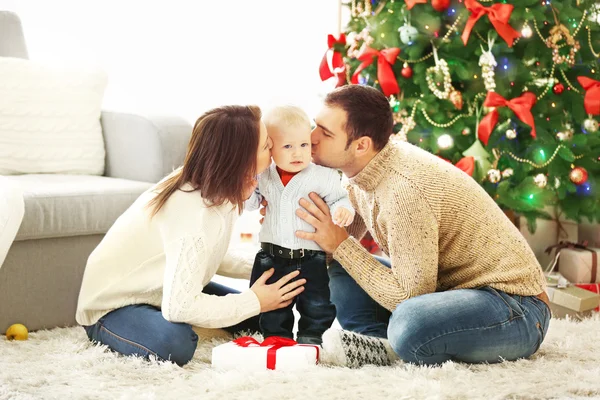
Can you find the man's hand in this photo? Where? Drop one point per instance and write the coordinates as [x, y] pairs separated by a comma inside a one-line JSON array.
[[327, 235], [343, 217], [263, 210]]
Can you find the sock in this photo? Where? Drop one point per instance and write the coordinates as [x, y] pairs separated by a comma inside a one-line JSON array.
[[353, 350]]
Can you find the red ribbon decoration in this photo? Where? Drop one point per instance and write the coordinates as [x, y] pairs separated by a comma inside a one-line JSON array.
[[385, 59], [521, 106], [499, 15], [276, 342], [336, 61], [411, 3], [467, 164], [591, 101]]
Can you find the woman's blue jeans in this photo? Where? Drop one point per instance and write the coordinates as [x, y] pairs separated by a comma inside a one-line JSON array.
[[468, 325], [141, 330]]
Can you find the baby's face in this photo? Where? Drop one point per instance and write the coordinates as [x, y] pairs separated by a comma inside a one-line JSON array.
[[291, 147]]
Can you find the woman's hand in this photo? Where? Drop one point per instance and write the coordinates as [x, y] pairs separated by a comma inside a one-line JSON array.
[[263, 210], [279, 294]]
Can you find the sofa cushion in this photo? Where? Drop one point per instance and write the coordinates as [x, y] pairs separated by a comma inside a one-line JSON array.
[[73, 205], [50, 118]]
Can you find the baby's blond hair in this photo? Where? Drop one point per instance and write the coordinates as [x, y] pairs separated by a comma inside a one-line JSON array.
[[287, 115]]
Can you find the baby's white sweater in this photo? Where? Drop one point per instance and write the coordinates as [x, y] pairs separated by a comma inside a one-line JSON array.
[[281, 221]]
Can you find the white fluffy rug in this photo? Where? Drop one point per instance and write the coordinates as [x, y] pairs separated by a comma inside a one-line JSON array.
[[62, 364]]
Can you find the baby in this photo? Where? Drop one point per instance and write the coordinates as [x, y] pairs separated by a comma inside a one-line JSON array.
[[291, 177]]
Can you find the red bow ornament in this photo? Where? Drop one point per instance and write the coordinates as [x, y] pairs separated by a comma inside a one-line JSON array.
[[521, 106], [499, 15], [276, 342], [385, 59], [337, 68], [411, 3], [591, 101]]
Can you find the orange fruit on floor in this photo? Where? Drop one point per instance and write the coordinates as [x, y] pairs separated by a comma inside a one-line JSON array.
[[17, 332]]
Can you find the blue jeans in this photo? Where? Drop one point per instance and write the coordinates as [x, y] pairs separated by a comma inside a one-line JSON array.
[[317, 313], [468, 325], [141, 330]]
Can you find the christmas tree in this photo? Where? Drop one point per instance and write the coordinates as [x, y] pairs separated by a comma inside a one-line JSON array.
[[507, 92]]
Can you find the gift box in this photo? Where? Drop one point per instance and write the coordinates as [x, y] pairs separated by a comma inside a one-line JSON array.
[[592, 287], [579, 263], [548, 233], [572, 301], [275, 353], [590, 233]]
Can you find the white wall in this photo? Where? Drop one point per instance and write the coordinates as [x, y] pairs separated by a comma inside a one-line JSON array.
[[185, 56]]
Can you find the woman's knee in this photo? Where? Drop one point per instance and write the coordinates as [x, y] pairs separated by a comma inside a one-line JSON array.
[[177, 344]]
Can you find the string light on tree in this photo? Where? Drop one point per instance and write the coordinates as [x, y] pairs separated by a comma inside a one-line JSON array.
[[445, 142], [578, 175], [540, 180]]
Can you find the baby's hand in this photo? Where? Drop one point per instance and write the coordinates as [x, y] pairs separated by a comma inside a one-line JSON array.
[[343, 217]]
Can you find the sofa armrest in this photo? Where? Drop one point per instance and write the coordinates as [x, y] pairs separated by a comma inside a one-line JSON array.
[[143, 148]]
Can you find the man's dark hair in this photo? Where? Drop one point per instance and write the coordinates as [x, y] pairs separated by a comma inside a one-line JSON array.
[[368, 113]]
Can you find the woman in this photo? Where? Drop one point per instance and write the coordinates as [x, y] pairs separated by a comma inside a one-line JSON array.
[[148, 281]]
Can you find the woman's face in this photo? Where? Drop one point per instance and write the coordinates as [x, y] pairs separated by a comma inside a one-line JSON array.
[[263, 157]]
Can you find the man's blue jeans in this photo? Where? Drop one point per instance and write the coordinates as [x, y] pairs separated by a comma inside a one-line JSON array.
[[141, 330], [468, 325]]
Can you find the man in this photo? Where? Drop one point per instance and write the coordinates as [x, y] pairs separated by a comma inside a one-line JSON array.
[[461, 282]]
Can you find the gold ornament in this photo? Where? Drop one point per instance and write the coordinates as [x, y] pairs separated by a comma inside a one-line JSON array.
[[540, 180], [494, 175], [557, 34], [590, 125], [511, 134], [507, 173]]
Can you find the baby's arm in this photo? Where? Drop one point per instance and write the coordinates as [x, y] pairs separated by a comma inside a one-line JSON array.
[[253, 203], [336, 198]]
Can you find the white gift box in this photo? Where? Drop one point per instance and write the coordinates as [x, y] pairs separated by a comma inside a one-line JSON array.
[[252, 356]]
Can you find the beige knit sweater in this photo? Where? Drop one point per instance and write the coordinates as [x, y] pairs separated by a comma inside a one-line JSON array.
[[441, 230]]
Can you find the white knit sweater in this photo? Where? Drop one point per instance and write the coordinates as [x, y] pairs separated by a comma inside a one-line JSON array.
[[166, 261], [281, 221]]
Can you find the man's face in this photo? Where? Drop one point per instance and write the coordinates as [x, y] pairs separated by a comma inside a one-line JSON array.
[[329, 139]]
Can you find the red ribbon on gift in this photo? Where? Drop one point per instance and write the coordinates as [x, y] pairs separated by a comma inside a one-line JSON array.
[[580, 246], [276, 342], [521, 106], [591, 100], [411, 3], [592, 287], [337, 62], [385, 59], [499, 15]]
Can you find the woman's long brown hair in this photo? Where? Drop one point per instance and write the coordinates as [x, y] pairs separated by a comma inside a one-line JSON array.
[[220, 160]]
